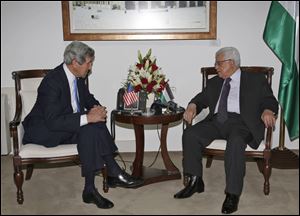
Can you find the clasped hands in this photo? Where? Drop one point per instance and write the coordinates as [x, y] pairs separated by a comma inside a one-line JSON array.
[[97, 114]]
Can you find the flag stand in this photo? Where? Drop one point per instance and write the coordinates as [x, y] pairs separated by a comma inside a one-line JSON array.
[[282, 157]]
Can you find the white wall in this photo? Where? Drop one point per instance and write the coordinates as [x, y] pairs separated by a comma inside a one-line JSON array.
[[32, 37]]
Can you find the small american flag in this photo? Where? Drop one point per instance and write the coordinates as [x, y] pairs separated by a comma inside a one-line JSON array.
[[130, 96]]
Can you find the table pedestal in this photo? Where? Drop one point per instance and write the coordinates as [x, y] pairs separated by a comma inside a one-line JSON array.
[[150, 175]]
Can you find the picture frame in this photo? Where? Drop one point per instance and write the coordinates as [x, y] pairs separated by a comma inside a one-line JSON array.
[[181, 20]]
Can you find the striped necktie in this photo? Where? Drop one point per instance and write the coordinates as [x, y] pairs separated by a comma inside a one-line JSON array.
[[222, 109], [75, 95]]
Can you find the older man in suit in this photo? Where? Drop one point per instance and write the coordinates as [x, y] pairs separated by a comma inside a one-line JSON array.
[[66, 112], [240, 106]]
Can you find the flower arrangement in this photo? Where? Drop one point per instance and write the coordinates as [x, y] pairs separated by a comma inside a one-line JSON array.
[[146, 76]]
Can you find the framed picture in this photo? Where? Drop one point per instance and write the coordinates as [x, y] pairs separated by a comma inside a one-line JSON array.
[[139, 20]]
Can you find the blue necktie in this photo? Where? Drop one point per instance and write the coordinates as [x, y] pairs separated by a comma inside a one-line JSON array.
[[75, 93], [222, 109]]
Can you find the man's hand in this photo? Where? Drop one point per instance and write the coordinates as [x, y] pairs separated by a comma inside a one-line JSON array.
[[190, 113], [268, 118], [97, 114]]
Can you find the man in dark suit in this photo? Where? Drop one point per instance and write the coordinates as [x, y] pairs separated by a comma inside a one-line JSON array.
[[240, 106], [66, 112]]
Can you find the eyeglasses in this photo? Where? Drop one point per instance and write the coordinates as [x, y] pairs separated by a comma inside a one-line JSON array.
[[218, 63]]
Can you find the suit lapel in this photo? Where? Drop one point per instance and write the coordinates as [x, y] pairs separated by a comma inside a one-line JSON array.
[[81, 86], [66, 87], [217, 93], [243, 88]]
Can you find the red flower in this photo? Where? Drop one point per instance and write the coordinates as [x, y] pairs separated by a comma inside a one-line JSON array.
[[149, 87], [137, 88], [144, 81], [139, 66], [154, 67], [160, 89], [153, 82]]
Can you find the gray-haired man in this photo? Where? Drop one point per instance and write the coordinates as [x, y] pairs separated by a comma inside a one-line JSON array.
[[240, 106]]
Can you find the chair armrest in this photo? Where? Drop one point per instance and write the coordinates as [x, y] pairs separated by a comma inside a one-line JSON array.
[[268, 139], [17, 118], [15, 122], [268, 145], [13, 128]]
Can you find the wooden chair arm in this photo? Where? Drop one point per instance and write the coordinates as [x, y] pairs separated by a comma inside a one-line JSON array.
[[13, 129], [268, 140], [268, 146], [15, 122]]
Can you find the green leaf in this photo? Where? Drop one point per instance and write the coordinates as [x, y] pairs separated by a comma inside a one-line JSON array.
[[140, 57], [154, 62], [148, 53]]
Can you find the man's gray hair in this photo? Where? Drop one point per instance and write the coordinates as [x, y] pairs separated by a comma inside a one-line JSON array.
[[230, 53], [78, 51]]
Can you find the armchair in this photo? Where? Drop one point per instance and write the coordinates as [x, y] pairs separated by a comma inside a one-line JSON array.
[[26, 84]]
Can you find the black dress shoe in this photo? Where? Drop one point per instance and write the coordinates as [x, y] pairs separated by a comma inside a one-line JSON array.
[[96, 198], [195, 184], [124, 180], [230, 204]]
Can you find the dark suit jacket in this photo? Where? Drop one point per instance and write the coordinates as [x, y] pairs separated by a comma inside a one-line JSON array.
[[255, 96], [51, 120]]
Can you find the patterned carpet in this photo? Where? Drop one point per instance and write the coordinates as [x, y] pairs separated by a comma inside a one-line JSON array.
[[58, 191]]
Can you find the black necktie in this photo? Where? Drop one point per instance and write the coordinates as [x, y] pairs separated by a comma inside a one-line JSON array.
[[222, 109]]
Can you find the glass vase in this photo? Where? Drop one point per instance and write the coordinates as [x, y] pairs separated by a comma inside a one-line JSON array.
[[150, 100]]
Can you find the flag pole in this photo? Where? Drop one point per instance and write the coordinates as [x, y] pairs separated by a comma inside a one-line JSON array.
[[282, 157]]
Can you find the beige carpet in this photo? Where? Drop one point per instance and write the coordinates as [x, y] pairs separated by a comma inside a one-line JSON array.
[[58, 191]]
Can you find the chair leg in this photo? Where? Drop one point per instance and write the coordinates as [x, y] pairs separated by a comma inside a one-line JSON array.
[[104, 174], [265, 168], [29, 171], [267, 173], [209, 161], [19, 179]]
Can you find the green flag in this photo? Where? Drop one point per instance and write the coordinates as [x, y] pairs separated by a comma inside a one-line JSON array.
[[282, 37]]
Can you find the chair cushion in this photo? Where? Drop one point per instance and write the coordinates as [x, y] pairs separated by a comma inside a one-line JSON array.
[[39, 151], [221, 144], [28, 99]]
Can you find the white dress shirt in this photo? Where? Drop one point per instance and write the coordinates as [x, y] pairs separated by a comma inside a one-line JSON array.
[[71, 77], [233, 102]]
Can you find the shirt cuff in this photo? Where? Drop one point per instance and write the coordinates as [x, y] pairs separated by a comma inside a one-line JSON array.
[[83, 120]]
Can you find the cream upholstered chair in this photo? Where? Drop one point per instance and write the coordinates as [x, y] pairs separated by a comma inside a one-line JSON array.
[[26, 84], [262, 155]]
